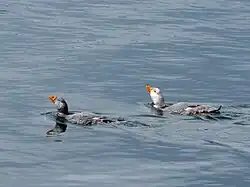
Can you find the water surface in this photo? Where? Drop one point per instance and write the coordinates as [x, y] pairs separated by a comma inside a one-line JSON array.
[[99, 55]]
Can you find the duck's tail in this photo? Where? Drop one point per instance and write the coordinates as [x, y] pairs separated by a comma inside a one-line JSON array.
[[216, 110]]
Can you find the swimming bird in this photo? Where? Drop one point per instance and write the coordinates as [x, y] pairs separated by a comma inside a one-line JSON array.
[[80, 118], [183, 108]]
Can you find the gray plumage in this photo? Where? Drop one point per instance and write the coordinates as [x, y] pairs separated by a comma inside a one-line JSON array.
[[184, 108], [190, 109], [81, 118]]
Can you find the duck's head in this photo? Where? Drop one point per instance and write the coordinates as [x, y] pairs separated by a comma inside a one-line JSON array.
[[156, 96], [60, 103]]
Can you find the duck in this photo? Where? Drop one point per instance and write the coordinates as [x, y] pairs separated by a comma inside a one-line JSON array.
[[84, 118], [182, 108]]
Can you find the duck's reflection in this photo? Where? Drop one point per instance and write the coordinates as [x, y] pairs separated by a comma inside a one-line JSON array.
[[59, 128]]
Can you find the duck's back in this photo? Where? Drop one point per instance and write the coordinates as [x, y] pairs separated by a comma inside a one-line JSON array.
[[189, 108], [80, 118], [87, 118], [177, 107]]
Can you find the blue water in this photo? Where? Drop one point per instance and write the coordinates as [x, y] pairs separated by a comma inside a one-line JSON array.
[[99, 55]]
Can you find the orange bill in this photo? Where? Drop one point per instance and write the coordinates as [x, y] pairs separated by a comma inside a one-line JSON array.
[[52, 98], [149, 88]]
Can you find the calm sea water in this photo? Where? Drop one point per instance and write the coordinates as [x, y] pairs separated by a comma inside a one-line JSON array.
[[99, 55]]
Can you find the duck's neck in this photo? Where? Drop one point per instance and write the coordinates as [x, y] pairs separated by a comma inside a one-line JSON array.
[[64, 110]]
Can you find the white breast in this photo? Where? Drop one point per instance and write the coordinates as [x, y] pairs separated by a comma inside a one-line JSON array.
[[157, 99]]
